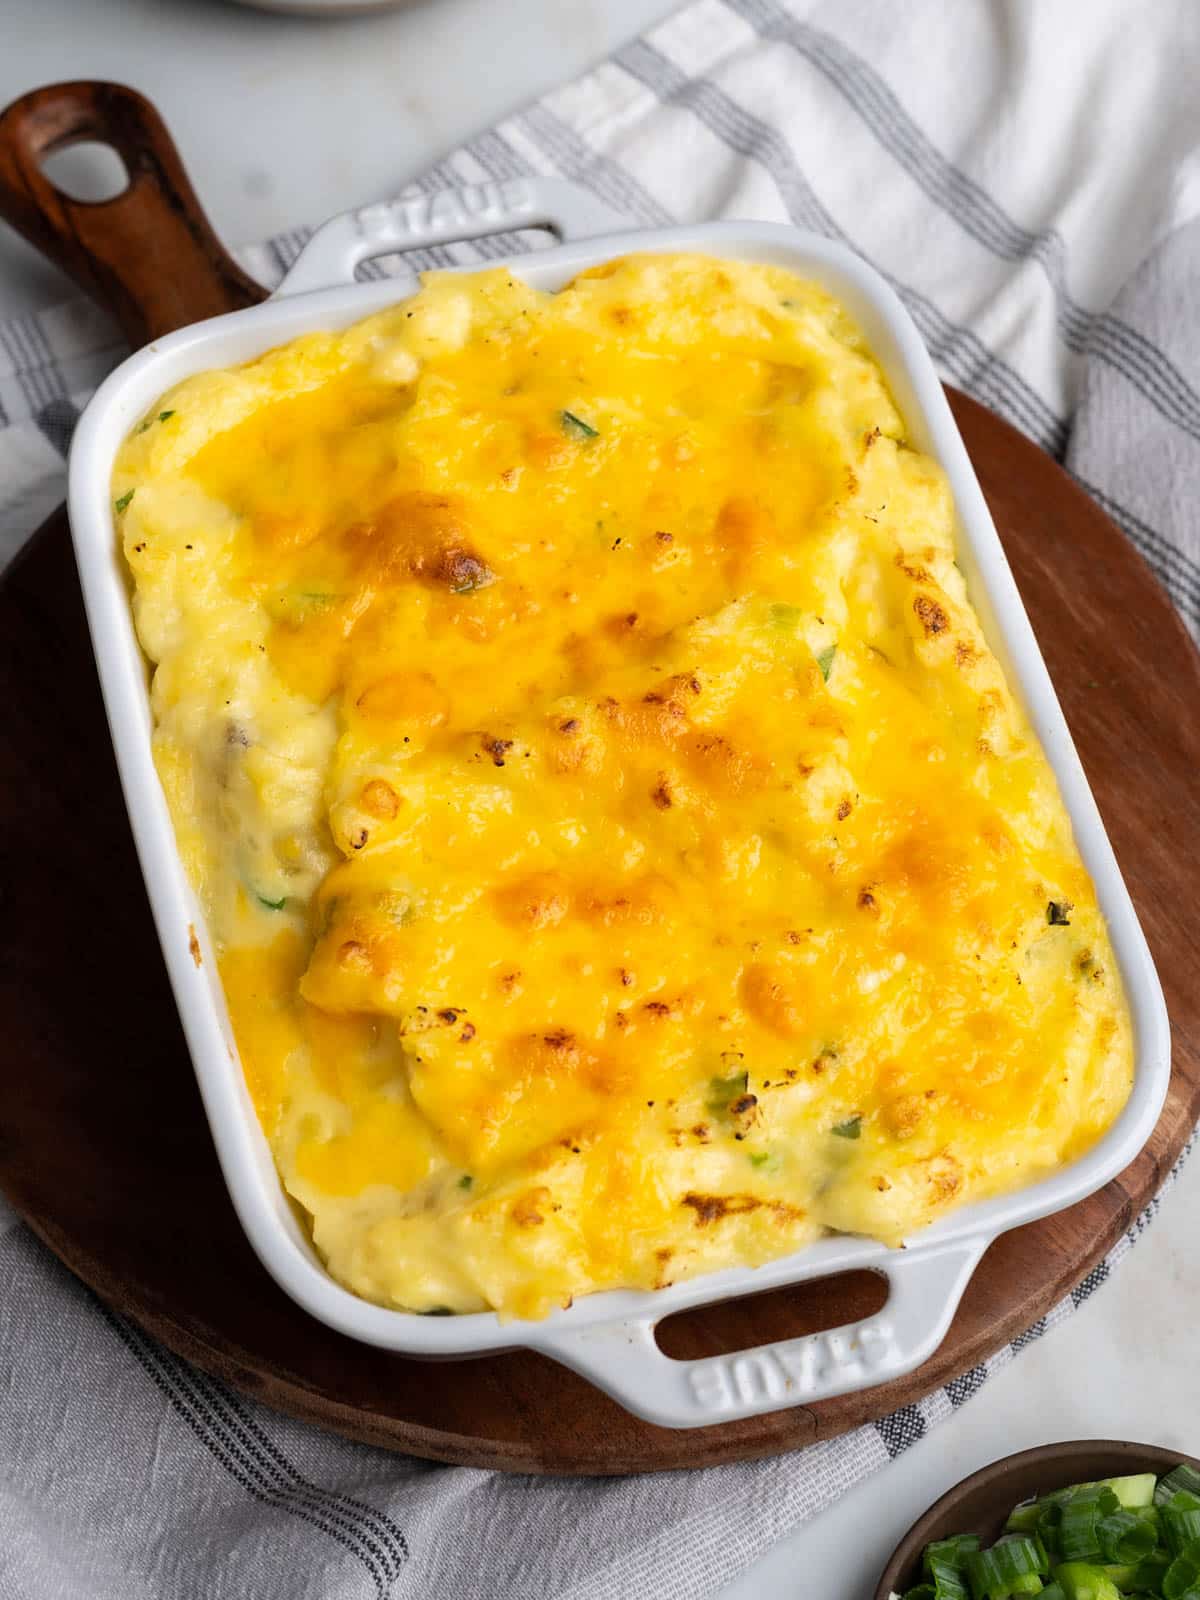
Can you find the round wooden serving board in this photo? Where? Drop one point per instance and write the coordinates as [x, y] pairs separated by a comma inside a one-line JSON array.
[[104, 1147]]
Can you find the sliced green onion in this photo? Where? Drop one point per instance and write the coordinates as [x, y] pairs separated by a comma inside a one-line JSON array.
[[1127, 1536], [1180, 1518], [955, 1550], [994, 1574], [1124, 1538], [1049, 1524], [271, 905], [119, 505], [1124, 1576], [1024, 1518], [163, 415], [1149, 1573], [1138, 1489], [825, 661], [1080, 1580], [850, 1129], [1183, 1478], [785, 617], [945, 1564], [465, 1181], [1183, 1574], [577, 427], [1078, 1533]]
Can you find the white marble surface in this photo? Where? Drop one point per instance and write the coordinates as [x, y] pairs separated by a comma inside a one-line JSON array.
[[282, 121]]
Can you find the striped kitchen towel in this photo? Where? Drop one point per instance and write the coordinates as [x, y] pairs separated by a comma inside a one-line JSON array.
[[1027, 175]]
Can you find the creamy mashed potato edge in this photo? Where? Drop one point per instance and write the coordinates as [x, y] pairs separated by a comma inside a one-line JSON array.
[[625, 854]]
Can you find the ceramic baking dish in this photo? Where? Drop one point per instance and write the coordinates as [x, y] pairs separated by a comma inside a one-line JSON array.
[[608, 1337]]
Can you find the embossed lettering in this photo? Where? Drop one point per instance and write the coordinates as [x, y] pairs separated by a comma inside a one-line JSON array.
[[710, 1385], [446, 210], [798, 1360], [800, 1365], [756, 1375], [876, 1340]]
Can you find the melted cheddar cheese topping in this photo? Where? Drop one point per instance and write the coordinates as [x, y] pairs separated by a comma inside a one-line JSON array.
[[625, 854]]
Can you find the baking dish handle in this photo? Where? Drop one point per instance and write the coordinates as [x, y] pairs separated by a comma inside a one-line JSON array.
[[623, 1358], [335, 252]]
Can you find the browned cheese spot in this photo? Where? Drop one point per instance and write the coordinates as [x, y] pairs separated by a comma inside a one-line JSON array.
[[931, 615], [461, 570], [496, 748], [526, 1209], [379, 799], [716, 1207], [354, 955]]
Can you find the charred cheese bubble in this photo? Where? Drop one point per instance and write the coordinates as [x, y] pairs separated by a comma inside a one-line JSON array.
[[625, 854]]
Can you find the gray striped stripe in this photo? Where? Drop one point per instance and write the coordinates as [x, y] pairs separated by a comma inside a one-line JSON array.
[[57, 423], [198, 1401], [275, 1483], [186, 1411], [377, 1532], [959, 350], [1096, 334], [1030, 1336], [1088, 1286], [497, 158], [900, 1430], [959, 1390], [33, 361], [1179, 575], [575, 158]]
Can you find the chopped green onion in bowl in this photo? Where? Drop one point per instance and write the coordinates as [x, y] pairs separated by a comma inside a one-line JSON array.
[[1130, 1538]]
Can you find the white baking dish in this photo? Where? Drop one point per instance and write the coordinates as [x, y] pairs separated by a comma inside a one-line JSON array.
[[608, 1337]]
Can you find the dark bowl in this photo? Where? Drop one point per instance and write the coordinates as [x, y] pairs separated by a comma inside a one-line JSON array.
[[981, 1503]]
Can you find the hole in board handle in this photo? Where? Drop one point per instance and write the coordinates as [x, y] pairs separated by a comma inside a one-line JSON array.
[[499, 245], [788, 1313], [89, 171]]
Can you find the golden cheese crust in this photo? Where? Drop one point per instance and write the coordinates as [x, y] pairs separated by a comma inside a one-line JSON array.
[[625, 854]]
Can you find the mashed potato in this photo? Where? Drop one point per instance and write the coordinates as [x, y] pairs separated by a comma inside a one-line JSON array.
[[625, 855]]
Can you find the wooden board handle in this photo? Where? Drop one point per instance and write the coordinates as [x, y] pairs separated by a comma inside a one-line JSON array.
[[148, 255]]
